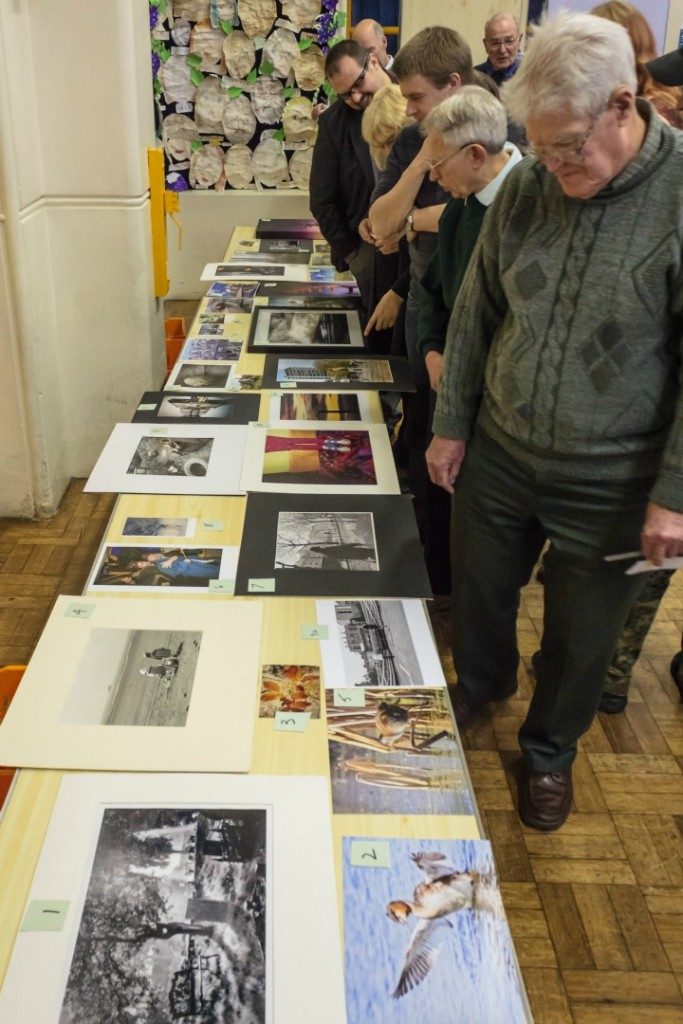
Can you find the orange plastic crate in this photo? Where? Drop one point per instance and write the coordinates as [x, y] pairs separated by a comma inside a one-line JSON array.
[[10, 677]]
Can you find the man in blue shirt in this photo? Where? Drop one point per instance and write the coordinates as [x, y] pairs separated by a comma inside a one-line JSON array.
[[502, 40]]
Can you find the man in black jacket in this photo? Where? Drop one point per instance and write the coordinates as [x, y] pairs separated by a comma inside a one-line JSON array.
[[343, 176]]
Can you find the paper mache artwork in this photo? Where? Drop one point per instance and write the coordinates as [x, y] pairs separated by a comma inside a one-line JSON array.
[[239, 122], [238, 167], [242, 75], [239, 53]]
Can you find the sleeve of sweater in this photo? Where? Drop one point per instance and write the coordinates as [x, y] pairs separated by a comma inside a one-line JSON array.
[[479, 309], [433, 313]]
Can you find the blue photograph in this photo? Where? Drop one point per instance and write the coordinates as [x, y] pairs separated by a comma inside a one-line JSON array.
[[426, 939]]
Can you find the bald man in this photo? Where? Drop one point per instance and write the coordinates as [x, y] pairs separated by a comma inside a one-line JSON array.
[[368, 33], [502, 40]]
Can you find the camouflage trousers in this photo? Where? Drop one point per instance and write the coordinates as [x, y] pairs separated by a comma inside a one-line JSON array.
[[636, 628]]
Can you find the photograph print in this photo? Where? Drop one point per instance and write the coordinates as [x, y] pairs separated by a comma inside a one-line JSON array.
[[230, 298], [336, 372], [285, 289], [318, 457], [319, 407], [439, 949], [247, 269], [156, 567], [216, 349], [290, 688], [326, 540], [171, 456], [210, 330], [292, 257], [199, 376], [134, 677], [305, 328], [162, 407], [176, 919], [396, 755], [155, 526], [379, 644]]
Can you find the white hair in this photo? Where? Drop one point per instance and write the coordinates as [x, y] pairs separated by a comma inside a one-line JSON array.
[[471, 114], [574, 62], [499, 17]]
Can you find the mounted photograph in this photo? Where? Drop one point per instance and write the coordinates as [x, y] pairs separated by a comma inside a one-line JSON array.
[[397, 754], [199, 376], [189, 458], [215, 349], [230, 297], [290, 688], [162, 407], [156, 526], [440, 945], [295, 328], [319, 407], [138, 685], [378, 374], [155, 567], [378, 643], [331, 531], [336, 459]]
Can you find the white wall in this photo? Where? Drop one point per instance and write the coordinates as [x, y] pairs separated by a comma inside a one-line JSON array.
[[80, 332]]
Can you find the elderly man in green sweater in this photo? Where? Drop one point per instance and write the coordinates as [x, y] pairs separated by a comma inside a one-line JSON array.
[[559, 416]]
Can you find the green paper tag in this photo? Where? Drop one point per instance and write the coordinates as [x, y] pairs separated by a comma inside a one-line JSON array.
[[211, 525], [195, 145], [225, 586], [292, 721], [315, 632], [252, 76], [288, 384], [352, 697], [261, 586], [147, 407], [79, 611], [158, 429], [45, 916], [368, 854], [227, 27], [279, 135]]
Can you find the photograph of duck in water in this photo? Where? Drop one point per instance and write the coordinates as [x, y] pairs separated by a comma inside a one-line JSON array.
[[396, 755], [440, 946]]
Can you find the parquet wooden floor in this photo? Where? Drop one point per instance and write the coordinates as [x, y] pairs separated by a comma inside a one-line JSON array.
[[596, 909]]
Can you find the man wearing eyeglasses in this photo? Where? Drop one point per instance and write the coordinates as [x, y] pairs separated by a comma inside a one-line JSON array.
[[343, 176], [502, 40], [560, 413]]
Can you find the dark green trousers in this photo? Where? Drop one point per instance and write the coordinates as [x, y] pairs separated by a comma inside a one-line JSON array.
[[503, 512]]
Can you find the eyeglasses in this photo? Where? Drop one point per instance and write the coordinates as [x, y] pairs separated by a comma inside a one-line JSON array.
[[567, 152], [437, 163], [496, 44], [357, 84]]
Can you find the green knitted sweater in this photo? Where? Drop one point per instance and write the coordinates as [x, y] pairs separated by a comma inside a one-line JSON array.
[[565, 341]]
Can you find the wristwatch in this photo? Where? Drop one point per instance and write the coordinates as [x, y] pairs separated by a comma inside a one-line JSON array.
[[410, 218]]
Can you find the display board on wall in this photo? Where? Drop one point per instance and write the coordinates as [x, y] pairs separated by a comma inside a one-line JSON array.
[[234, 84]]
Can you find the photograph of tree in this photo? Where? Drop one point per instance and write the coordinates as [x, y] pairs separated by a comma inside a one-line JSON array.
[[175, 919], [326, 540]]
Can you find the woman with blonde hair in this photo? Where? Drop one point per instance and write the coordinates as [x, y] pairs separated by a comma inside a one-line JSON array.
[[383, 119], [665, 99]]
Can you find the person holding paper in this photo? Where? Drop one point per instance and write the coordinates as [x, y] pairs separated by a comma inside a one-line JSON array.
[[559, 415]]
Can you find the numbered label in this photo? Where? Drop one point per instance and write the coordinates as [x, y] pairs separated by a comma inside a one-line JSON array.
[[368, 854], [315, 632], [158, 430], [349, 698], [261, 586], [79, 611], [292, 721], [222, 586], [212, 525], [288, 384], [45, 916]]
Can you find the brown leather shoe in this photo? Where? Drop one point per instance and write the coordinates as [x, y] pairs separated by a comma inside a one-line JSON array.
[[545, 798]]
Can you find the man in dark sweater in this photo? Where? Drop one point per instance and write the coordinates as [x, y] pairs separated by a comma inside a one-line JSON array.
[[502, 40], [559, 416]]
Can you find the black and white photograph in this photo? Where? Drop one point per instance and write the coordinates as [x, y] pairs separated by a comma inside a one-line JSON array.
[[199, 376], [310, 302], [171, 456], [326, 330], [212, 330], [175, 918], [378, 643], [332, 531], [162, 407], [252, 268], [183, 458], [226, 298], [134, 677], [326, 540]]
